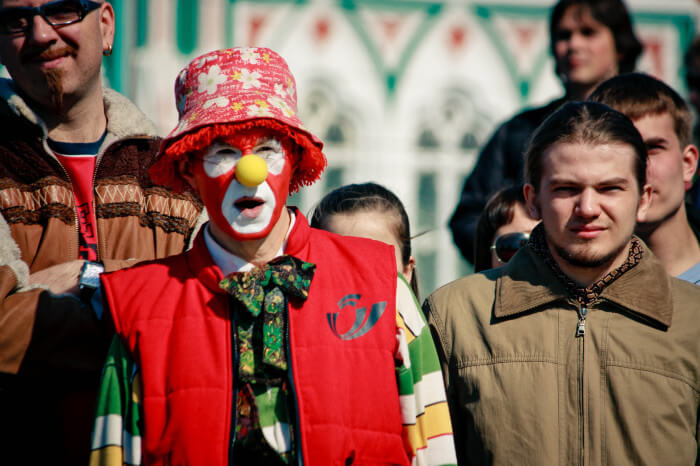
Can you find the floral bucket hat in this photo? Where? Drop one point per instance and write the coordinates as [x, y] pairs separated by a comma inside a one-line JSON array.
[[225, 91]]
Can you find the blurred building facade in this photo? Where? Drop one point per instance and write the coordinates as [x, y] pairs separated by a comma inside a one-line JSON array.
[[402, 92]]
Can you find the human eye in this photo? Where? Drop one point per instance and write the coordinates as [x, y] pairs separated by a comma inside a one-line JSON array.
[[654, 149], [588, 31], [563, 189], [62, 12], [222, 154], [14, 20], [562, 34], [270, 147]]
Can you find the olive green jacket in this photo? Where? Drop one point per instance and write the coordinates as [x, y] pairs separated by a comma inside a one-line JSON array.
[[524, 389]]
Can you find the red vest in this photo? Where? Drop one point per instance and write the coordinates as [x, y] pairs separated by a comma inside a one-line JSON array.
[[175, 320]]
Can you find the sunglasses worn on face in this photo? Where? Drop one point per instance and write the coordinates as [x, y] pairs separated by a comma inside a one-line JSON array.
[[507, 245], [60, 13]]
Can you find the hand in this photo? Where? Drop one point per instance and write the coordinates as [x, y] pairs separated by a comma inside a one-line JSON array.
[[60, 278]]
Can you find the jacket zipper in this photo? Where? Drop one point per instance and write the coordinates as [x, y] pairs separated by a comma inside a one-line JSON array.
[[75, 209], [234, 390], [580, 335], [297, 426], [98, 159]]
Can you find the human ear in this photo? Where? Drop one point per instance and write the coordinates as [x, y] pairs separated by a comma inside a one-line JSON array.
[[407, 271], [690, 164], [531, 201], [107, 25], [644, 203]]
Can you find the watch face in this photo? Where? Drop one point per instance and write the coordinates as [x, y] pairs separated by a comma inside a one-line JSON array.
[[90, 274]]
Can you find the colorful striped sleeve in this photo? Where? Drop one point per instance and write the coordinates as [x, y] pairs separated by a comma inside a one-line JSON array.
[[426, 418], [116, 436]]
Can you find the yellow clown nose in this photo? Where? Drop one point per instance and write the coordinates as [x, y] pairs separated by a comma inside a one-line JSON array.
[[251, 170]]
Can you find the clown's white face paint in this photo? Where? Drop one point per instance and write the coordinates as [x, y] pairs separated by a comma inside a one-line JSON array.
[[243, 212]]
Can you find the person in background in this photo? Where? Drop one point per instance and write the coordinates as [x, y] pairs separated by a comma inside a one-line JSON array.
[[672, 227], [503, 228], [582, 349], [76, 195], [692, 81], [269, 342], [369, 210], [591, 41]]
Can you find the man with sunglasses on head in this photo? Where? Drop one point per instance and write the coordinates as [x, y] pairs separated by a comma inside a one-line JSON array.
[[672, 227], [75, 192], [582, 349]]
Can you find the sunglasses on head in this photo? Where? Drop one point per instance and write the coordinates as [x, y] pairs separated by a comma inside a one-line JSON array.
[[507, 245], [60, 13]]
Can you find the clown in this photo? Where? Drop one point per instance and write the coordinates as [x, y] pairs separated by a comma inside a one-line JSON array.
[[269, 342]]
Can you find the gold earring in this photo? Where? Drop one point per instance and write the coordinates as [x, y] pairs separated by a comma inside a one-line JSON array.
[[108, 51]]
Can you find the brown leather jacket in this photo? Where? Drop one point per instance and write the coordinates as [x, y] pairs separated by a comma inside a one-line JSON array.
[[45, 336], [524, 389]]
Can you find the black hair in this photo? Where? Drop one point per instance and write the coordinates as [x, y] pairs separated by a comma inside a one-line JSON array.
[[614, 15], [499, 211], [353, 198], [585, 123]]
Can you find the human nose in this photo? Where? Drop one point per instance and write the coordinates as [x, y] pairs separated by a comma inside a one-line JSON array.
[[576, 41], [41, 31], [251, 170], [588, 205]]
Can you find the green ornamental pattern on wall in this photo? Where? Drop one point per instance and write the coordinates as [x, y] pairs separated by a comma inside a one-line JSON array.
[[132, 32], [487, 13]]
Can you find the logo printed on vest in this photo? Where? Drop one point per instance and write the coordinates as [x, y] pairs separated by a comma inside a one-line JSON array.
[[364, 321]]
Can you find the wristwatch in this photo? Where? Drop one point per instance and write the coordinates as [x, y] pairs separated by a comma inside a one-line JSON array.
[[89, 279]]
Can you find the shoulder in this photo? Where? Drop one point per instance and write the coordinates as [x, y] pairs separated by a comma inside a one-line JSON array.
[[536, 115], [685, 293], [691, 275], [475, 286], [463, 302], [148, 273], [357, 247], [124, 118]]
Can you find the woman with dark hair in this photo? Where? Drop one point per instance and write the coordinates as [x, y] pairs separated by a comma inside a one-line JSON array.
[[504, 227], [591, 41], [369, 210]]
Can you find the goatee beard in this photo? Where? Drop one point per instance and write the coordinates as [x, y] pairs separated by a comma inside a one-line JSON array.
[[54, 82], [582, 261]]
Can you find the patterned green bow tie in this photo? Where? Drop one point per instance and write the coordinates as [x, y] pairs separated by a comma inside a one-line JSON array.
[[264, 289]]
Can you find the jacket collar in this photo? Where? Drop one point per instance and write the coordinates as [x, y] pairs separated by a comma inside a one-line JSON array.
[[527, 284], [203, 267], [124, 119]]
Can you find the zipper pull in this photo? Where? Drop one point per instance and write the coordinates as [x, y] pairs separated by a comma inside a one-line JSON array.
[[581, 327]]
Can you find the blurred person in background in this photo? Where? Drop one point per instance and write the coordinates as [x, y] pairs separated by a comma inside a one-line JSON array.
[[591, 41], [504, 227], [671, 228], [692, 81], [76, 195], [369, 210]]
